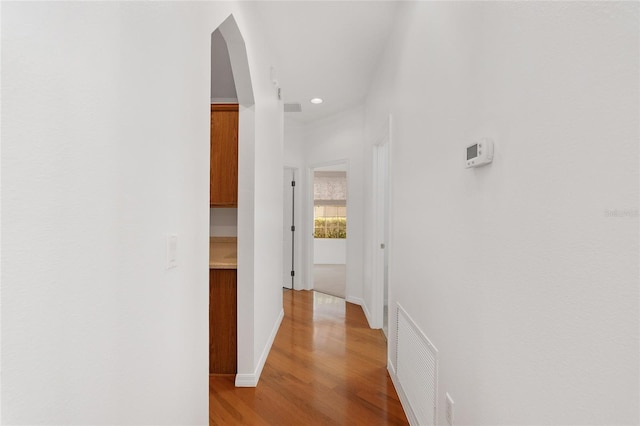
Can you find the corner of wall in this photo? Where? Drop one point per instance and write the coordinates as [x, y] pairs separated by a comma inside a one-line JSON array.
[[251, 380], [365, 309]]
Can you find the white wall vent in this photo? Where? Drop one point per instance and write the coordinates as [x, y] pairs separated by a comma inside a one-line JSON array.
[[417, 369]]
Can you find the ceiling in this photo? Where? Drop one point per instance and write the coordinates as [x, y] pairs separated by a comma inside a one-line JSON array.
[[326, 49]]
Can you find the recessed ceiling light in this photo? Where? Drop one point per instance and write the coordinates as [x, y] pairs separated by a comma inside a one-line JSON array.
[[316, 101]]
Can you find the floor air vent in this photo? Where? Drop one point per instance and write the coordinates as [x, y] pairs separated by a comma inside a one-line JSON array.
[[417, 369]]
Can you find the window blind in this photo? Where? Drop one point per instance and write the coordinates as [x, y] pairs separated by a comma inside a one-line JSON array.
[[330, 188]]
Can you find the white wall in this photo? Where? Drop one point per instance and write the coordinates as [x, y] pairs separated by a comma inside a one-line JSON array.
[[341, 138], [518, 272], [105, 141], [223, 222], [267, 196], [223, 86], [294, 143], [330, 251]]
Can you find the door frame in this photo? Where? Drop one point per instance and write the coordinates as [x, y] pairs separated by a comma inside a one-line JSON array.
[[295, 171], [384, 137], [309, 221]]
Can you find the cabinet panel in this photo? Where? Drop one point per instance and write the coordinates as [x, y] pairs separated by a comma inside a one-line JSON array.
[[224, 155], [223, 336]]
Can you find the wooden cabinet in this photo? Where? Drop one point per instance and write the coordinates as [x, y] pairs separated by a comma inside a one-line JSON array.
[[224, 156], [223, 317]]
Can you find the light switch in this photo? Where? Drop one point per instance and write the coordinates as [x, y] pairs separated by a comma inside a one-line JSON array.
[[172, 251]]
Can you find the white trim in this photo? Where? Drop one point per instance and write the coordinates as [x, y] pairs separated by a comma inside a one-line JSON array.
[[296, 236], [359, 301], [377, 264], [224, 101], [391, 368], [404, 401], [301, 277], [355, 301], [307, 229], [251, 380], [384, 137], [246, 380]]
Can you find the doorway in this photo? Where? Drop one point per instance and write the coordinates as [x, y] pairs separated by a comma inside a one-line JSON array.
[[381, 233], [330, 229], [231, 84]]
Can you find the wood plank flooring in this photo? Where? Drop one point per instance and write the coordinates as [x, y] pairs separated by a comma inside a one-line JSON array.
[[326, 367]]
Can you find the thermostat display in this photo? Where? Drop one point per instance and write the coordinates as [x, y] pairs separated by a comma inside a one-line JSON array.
[[479, 153]]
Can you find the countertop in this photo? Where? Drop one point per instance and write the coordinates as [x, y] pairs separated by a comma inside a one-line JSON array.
[[223, 253]]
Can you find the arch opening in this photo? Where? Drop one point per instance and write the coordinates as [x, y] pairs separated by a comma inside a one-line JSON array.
[[231, 83]]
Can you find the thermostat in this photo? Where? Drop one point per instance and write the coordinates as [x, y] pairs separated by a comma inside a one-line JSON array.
[[479, 153]]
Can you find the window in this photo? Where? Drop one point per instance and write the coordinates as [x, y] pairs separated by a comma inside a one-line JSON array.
[[330, 204], [330, 221]]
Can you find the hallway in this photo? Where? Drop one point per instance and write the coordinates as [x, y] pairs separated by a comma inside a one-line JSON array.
[[326, 367]]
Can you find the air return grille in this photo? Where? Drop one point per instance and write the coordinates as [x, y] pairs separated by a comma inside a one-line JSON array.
[[417, 369]]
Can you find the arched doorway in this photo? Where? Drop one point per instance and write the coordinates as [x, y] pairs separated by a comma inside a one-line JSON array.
[[230, 71]]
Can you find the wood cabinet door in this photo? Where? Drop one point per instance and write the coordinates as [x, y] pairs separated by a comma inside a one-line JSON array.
[[224, 155], [223, 317]]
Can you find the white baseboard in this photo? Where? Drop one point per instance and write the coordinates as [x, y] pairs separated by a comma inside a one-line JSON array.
[[300, 285], [404, 401], [354, 300], [359, 301], [251, 380], [246, 380]]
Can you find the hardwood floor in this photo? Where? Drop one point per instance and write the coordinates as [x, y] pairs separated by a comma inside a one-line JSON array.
[[326, 367]]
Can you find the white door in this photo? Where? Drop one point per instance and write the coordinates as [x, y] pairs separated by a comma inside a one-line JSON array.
[[381, 232]]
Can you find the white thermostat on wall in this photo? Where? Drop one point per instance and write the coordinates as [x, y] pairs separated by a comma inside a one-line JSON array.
[[479, 153]]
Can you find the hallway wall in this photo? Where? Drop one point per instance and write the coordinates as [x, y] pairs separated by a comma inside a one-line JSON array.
[[105, 147], [523, 273], [329, 251]]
